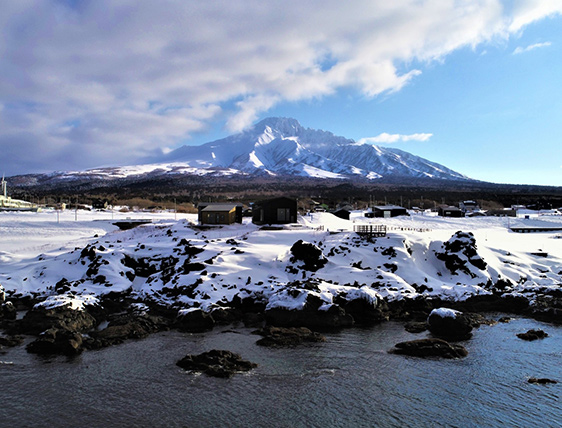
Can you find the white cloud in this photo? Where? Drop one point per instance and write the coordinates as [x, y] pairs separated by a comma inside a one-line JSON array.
[[386, 138], [138, 77], [519, 49]]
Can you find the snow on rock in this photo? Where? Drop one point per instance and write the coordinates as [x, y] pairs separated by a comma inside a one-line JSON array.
[[460, 254], [67, 301], [363, 293], [449, 324], [172, 263], [444, 313]]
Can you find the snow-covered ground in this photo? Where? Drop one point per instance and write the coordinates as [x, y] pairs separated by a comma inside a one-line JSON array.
[[187, 267]]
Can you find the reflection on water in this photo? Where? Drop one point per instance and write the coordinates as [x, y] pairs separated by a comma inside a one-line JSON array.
[[350, 380]]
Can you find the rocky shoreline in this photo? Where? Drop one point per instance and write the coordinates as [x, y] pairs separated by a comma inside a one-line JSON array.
[[62, 330]]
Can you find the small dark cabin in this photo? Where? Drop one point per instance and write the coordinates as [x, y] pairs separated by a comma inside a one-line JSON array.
[[204, 210], [342, 213], [387, 211], [449, 211], [100, 204], [275, 211]]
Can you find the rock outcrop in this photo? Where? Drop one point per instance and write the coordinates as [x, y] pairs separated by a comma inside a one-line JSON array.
[[531, 335], [449, 324], [216, 363], [284, 337], [430, 348]]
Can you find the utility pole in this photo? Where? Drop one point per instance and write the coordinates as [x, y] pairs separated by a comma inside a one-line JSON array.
[[175, 210]]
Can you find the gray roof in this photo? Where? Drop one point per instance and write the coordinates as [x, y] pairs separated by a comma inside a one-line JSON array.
[[219, 207], [388, 207]]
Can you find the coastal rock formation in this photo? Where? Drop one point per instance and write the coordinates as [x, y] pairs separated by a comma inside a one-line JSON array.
[[304, 308], [7, 311], [42, 318], [57, 341], [10, 341], [194, 321], [282, 337], [333, 317], [541, 381], [532, 334], [216, 363], [430, 348], [127, 326], [449, 324], [364, 305]]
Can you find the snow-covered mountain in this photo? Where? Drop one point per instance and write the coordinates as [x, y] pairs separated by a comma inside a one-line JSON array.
[[273, 147], [281, 146]]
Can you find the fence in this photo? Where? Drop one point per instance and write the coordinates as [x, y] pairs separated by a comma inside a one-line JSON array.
[[370, 229]]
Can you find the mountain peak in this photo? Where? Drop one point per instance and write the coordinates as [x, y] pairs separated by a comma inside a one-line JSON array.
[[281, 146], [285, 125]]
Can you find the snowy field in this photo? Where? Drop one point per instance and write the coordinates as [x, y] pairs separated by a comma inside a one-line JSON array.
[[188, 267]]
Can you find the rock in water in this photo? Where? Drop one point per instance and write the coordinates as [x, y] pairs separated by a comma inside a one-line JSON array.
[[216, 363], [449, 324], [430, 348], [279, 336], [541, 381], [57, 342], [532, 335]]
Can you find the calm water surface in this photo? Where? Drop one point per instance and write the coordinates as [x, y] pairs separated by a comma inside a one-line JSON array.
[[349, 381]]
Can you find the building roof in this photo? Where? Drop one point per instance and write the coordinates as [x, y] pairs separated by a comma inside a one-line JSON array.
[[388, 207], [214, 204], [219, 207]]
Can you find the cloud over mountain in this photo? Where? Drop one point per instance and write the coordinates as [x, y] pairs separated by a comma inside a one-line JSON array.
[[97, 82]]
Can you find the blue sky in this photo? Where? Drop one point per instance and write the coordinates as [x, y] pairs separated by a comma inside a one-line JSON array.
[[474, 85]]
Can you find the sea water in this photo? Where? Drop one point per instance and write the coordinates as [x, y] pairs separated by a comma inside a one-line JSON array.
[[348, 381]]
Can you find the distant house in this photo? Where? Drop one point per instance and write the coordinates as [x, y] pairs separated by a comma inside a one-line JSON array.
[[469, 206], [387, 211], [502, 213], [342, 213], [100, 204], [449, 211], [275, 211], [218, 214], [204, 210]]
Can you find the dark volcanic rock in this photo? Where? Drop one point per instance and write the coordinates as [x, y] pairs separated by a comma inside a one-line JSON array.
[[280, 336], [57, 342], [334, 317], [532, 335], [225, 316], [128, 326], [363, 309], [11, 341], [308, 253], [449, 324], [459, 252], [541, 381], [61, 318], [430, 348], [7, 311], [547, 308], [253, 319], [415, 326], [216, 363], [195, 321]]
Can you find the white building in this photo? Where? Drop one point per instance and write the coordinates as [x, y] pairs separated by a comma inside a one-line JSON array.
[[9, 204]]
